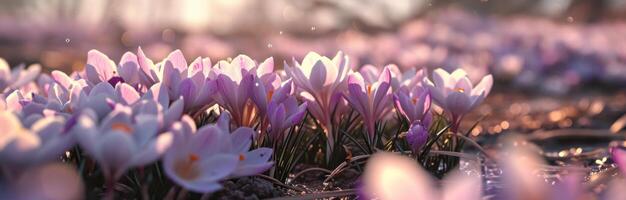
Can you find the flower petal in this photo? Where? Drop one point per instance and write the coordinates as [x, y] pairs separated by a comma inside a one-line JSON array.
[[242, 139], [127, 93]]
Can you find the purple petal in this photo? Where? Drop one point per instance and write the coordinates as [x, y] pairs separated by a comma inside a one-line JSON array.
[[174, 112], [127, 93], [129, 67], [99, 67], [187, 90], [318, 76], [177, 60], [242, 139], [458, 103]]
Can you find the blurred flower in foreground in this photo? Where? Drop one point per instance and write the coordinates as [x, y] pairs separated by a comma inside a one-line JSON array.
[[43, 142], [455, 92], [392, 176], [522, 170], [16, 77], [370, 99], [321, 81], [619, 157], [51, 182]]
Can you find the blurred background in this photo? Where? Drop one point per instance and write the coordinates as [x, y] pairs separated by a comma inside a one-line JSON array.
[[558, 45]]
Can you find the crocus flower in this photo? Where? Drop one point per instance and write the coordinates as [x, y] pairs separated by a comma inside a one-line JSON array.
[[414, 104], [195, 161], [197, 88], [121, 140], [238, 143], [321, 81], [46, 139], [283, 110], [274, 101], [392, 176], [17, 77], [455, 92], [266, 84], [235, 80], [417, 136], [371, 99], [190, 82]]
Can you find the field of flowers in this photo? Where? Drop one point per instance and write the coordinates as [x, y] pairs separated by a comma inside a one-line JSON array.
[[172, 127], [444, 122]]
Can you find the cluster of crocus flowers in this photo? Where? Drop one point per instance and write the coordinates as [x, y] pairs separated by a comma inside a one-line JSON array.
[[136, 112], [133, 114]]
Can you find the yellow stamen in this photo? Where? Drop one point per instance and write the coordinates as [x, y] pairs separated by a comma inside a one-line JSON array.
[[414, 100], [118, 126], [241, 157], [459, 89], [369, 89]]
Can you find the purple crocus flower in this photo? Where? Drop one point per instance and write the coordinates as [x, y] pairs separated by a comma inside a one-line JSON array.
[[455, 92], [266, 85], [196, 87], [122, 140], [194, 161], [235, 81], [284, 110], [321, 81], [414, 104], [370, 99], [417, 136], [200, 158], [238, 143], [190, 82]]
